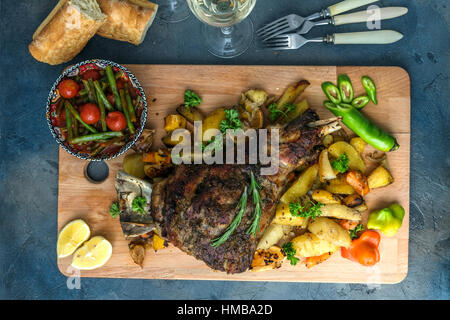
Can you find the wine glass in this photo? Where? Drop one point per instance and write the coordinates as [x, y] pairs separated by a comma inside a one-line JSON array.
[[172, 10], [226, 32]]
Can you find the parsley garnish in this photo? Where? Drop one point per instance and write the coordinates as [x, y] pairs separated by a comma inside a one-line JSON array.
[[340, 164], [274, 112], [114, 210], [297, 210], [242, 206], [231, 121], [191, 99], [254, 189], [138, 204], [354, 232], [290, 253]]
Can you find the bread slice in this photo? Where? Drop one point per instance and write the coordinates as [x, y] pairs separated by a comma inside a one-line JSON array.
[[66, 30], [127, 20]]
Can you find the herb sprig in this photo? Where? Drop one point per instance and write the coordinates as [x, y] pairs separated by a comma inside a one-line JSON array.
[[191, 99], [354, 232], [290, 253], [114, 210], [274, 112], [341, 163], [254, 189], [299, 210], [138, 204], [231, 121], [242, 206]]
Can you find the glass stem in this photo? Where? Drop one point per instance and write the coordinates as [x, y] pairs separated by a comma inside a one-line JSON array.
[[227, 30]]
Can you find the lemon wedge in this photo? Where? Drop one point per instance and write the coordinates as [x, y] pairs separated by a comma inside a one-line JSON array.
[[93, 254], [71, 237]]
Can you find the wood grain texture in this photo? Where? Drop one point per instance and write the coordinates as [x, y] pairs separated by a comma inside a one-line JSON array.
[[221, 86]]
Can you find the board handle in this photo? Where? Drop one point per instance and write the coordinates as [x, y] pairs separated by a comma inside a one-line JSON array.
[[364, 16], [347, 5], [368, 37]]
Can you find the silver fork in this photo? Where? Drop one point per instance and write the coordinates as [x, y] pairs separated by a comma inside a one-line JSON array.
[[295, 41], [293, 21]]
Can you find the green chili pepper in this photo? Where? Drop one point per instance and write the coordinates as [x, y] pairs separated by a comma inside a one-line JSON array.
[[97, 136], [360, 102], [387, 220], [371, 90], [363, 127], [332, 92], [345, 88]]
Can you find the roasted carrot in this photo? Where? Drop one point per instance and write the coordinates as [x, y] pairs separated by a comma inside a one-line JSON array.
[[348, 224], [358, 181], [312, 261]]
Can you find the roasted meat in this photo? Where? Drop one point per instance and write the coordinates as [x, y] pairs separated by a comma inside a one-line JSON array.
[[196, 203]]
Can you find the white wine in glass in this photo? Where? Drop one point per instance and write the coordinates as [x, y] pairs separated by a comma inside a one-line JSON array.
[[226, 32], [172, 10]]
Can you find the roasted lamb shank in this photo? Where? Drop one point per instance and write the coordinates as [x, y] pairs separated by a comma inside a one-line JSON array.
[[197, 203]]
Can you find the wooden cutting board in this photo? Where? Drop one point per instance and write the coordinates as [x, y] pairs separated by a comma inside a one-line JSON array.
[[221, 86]]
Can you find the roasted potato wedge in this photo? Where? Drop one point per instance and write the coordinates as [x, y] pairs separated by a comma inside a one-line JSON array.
[[326, 171], [301, 186], [339, 186], [291, 93], [309, 245], [380, 177], [267, 259], [358, 143], [168, 141], [173, 122], [325, 197], [253, 99], [361, 208], [328, 230], [271, 236], [283, 216], [340, 211], [355, 162], [353, 200], [212, 121], [158, 242], [191, 114], [300, 108], [133, 164]]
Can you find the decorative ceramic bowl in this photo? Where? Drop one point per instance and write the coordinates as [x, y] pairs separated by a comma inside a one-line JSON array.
[[54, 97]]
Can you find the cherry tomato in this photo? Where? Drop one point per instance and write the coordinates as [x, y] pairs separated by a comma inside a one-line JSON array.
[[68, 88], [90, 113], [91, 74], [116, 121]]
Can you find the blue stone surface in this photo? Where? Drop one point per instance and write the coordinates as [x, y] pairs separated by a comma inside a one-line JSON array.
[[29, 155]]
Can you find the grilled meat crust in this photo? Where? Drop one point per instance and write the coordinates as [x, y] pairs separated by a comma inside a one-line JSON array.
[[197, 203]]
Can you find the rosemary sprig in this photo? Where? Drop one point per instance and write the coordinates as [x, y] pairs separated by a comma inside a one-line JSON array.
[[254, 189], [242, 205]]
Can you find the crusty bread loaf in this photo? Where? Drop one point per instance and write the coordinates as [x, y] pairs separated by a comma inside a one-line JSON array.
[[66, 30], [127, 20]]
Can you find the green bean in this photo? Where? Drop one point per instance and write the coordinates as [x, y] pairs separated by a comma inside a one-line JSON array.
[[113, 85], [59, 107], [125, 111], [77, 116], [101, 96], [69, 124], [75, 127], [89, 89], [97, 136], [101, 106], [363, 127], [130, 103]]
